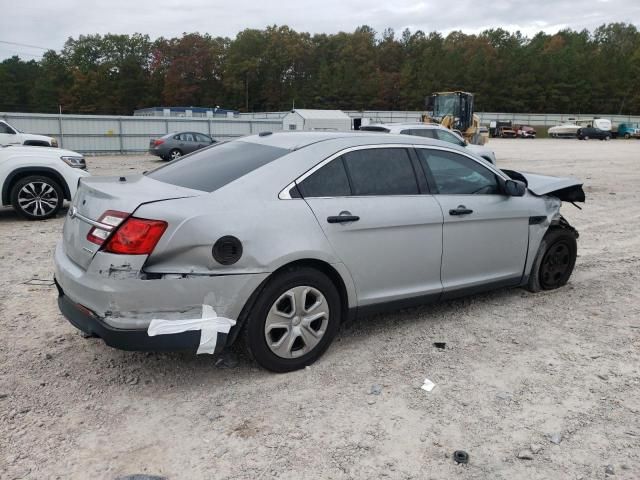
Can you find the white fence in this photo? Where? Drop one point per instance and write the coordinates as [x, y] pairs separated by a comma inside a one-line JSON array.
[[99, 134]]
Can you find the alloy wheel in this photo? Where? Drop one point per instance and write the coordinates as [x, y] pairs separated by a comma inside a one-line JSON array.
[[38, 199], [296, 322]]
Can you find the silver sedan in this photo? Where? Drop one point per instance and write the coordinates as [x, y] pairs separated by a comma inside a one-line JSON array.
[[278, 238]]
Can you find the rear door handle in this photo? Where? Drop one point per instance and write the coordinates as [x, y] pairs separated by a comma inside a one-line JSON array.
[[344, 217], [461, 210]]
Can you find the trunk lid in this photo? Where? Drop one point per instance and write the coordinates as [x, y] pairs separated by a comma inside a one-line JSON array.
[[567, 189], [96, 195]]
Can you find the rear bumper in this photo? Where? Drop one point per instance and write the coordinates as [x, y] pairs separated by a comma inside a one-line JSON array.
[[158, 152], [117, 305], [85, 320]]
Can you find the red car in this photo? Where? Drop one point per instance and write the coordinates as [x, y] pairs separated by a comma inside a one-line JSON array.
[[525, 131]]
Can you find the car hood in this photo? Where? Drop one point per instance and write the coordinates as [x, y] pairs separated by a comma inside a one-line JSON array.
[[33, 136], [567, 189]]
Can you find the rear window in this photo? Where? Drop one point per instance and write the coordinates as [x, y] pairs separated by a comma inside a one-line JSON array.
[[211, 168]]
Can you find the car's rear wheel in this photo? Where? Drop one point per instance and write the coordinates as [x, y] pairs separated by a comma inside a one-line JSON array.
[[175, 153], [294, 320], [607, 138], [585, 137], [555, 260], [37, 197]]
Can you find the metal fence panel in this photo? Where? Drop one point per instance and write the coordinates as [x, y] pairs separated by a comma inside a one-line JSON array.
[[98, 134]]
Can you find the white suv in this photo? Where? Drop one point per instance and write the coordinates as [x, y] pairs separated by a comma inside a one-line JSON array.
[[10, 135], [36, 181], [431, 130]]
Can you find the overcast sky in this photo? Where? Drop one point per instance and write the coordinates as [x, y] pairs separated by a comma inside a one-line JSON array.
[[47, 23]]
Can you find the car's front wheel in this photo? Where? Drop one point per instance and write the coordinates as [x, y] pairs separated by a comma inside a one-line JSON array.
[[554, 261], [294, 319], [37, 197]]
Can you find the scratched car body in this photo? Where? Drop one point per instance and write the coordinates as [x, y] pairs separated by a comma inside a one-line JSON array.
[[281, 237]]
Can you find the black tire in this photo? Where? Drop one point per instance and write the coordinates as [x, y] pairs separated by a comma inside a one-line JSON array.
[[554, 261], [47, 194], [585, 137], [627, 136], [254, 327], [607, 138], [175, 153]]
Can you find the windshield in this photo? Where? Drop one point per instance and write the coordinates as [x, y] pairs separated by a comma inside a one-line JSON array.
[[444, 105], [213, 167]]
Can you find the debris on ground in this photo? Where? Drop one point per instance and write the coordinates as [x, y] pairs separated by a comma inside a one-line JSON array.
[[440, 345], [39, 282], [460, 456], [375, 389], [556, 438], [535, 448], [525, 455], [428, 385], [609, 470], [506, 396]]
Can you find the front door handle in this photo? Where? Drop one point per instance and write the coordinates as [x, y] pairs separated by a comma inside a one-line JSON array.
[[461, 210], [344, 217]]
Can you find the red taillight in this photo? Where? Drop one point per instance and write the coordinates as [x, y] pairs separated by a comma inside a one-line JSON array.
[[136, 236], [110, 218], [158, 142]]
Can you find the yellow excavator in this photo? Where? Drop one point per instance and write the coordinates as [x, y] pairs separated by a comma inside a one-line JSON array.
[[454, 110]]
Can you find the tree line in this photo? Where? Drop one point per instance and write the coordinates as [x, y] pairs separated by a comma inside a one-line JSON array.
[[265, 70]]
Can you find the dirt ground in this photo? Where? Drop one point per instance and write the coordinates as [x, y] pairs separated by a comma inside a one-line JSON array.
[[520, 371]]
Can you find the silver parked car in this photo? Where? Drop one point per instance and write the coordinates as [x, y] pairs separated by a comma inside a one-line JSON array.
[[435, 131], [278, 238], [175, 145]]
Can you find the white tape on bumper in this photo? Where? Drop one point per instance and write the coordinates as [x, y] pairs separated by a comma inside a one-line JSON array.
[[209, 325]]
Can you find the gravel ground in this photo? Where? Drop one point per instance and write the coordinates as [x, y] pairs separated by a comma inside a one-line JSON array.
[[532, 386]]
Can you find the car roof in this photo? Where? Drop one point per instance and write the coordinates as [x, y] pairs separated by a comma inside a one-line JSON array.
[[297, 140], [171, 134], [404, 125]]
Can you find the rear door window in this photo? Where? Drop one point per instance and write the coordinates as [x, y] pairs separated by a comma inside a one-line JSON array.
[[329, 181], [381, 171], [213, 167], [420, 132]]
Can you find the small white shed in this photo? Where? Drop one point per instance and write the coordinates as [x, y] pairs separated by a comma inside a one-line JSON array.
[[303, 119]]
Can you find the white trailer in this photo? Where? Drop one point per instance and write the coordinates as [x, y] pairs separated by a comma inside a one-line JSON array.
[[304, 119]]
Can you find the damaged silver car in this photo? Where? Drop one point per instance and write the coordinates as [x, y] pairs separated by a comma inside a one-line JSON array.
[[276, 239]]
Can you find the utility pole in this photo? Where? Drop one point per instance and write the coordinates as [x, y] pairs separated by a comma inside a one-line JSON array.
[[60, 126], [246, 93]]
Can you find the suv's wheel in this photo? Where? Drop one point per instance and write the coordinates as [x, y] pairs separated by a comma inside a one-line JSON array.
[[585, 137], [37, 197], [555, 260], [175, 153], [293, 320]]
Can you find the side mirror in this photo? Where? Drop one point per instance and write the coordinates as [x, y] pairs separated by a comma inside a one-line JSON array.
[[514, 188]]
